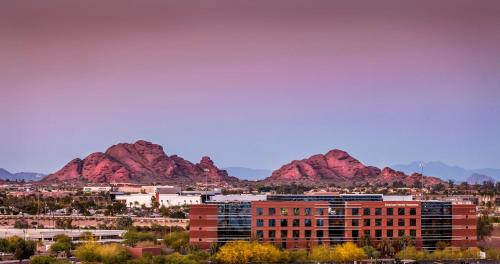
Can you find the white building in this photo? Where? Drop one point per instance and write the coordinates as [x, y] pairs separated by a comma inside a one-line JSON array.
[[139, 199], [96, 189]]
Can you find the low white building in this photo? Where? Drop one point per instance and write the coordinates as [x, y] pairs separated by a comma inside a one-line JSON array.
[[96, 189], [140, 199]]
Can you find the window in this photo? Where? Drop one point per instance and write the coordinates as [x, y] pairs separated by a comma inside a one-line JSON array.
[[366, 211], [284, 233], [295, 222], [355, 211], [355, 233], [413, 232], [378, 233], [283, 222], [320, 222], [260, 211], [378, 222], [307, 211], [296, 211], [260, 222], [272, 233], [401, 211], [401, 233], [307, 222], [378, 211], [319, 233], [390, 233], [413, 222], [260, 233], [320, 211], [390, 222], [366, 233], [401, 222], [366, 222], [272, 211], [355, 222], [295, 234], [284, 211], [307, 233], [272, 222], [390, 211], [413, 211]]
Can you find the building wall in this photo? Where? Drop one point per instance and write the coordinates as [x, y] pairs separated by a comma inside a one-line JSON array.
[[203, 225], [464, 231], [308, 223], [380, 219]]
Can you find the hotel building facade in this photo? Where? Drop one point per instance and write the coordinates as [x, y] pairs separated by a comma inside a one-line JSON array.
[[302, 221]]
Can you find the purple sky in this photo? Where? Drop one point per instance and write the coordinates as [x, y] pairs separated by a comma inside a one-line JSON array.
[[251, 83]]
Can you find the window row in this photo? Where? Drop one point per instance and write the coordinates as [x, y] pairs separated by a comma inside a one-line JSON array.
[[321, 233], [388, 222], [321, 211], [321, 222]]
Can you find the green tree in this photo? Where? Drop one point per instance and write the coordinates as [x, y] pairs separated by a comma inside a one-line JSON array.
[[411, 253], [62, 244], [484, 227], [386, 248], [124, 222], [178, 240], [132, 237], [24, 249]]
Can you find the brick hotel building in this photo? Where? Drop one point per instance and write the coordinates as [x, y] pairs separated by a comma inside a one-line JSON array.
[[302, 221]]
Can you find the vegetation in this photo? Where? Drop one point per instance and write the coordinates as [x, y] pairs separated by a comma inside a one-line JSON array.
[[47, 260], [62, 244], [484, 227], [91, 252], [242, 252], [340, 253], [178, 240], [132, 237]]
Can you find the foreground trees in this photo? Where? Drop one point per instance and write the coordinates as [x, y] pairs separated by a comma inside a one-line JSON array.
[[240, 252], [91, 252]]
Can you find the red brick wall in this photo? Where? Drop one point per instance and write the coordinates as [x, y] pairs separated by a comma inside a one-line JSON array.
[[203, 225], [464, 228]]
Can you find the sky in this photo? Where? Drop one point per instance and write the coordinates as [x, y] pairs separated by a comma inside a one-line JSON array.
[[251, 83]]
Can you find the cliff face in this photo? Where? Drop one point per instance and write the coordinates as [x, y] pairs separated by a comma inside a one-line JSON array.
[[338, 167], [140, 162]]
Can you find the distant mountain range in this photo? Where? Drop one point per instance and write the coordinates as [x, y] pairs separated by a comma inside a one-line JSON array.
[[444, 171], [479, 179], [248, 174], [26, 176]]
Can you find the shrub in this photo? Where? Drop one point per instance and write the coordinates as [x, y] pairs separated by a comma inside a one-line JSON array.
[[131, 238], [240, 252]]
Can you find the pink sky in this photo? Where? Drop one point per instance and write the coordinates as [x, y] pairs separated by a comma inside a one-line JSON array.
[[251, 83]]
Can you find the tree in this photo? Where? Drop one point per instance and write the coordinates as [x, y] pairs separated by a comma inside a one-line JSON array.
[[24, 249], [132, 237], [242, 252], [124, 222], [62, 244], [371, 252], [404, 241], [322, 254], [365, 241], [87, 253], [21, 224], [178, 240], [386, 248], [484, 227], [411, 253], [348, 252], [47, 260]]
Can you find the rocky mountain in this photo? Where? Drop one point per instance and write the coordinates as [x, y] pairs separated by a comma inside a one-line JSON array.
[[445, 171], [140, 162], [340, 168], [248, 173], [477, 178], [19, 176]]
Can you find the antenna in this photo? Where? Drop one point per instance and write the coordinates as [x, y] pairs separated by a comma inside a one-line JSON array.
[[421, 165]]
